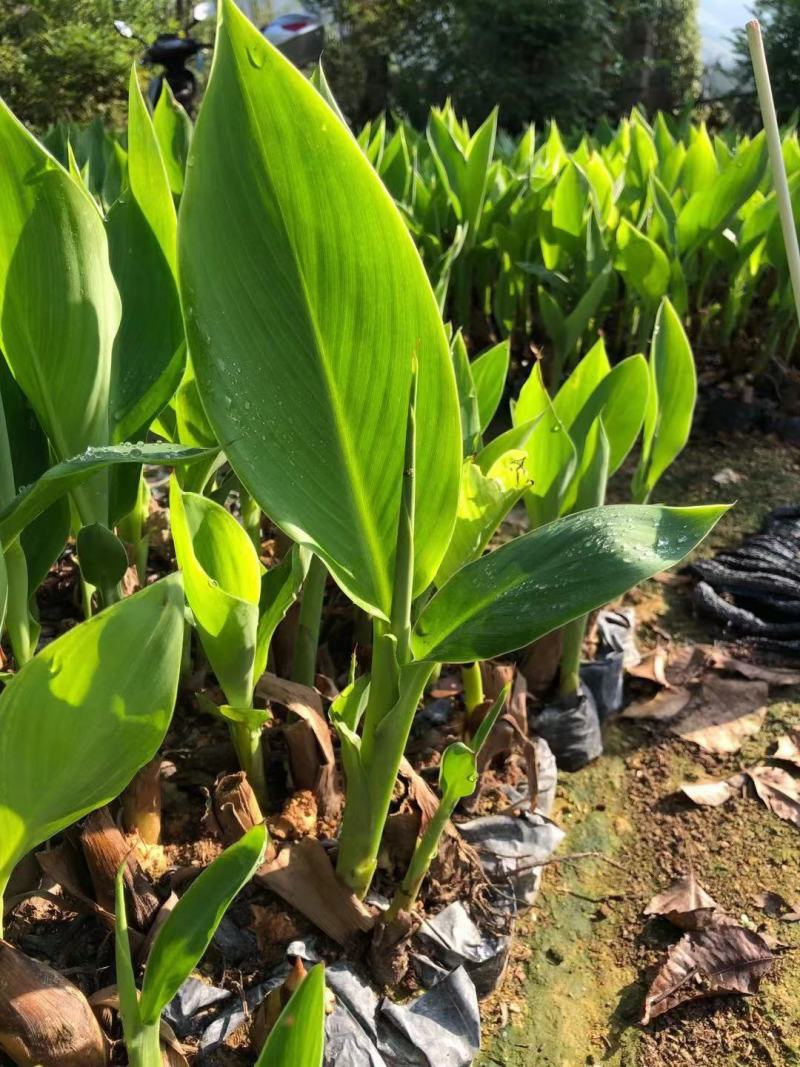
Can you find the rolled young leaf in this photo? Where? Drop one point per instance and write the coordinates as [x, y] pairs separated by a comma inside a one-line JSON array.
[[150, 347], [187, 932], [489, 372], [174, 132], [303, 335], [541, 581], [670, 407], [298, 1036], [85, 714], [222, 577]]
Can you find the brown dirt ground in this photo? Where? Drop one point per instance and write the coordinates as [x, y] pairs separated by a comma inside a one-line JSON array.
[[575, 988]]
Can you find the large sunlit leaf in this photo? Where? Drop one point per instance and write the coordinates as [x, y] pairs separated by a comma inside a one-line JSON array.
[[551, 453], [85, 714], [59, 306], [303, 335], [542, 580]]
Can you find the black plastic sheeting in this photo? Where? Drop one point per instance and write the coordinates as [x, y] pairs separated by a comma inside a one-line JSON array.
[[753, 591], [571, 727]]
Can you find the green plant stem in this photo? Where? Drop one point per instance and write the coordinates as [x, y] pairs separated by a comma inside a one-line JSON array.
[[306, 641], [87, 592], [396, 686], [144, 1048], [424, 855], [250, 753], [569, 673], [18, 617], [473, 686], [402, 594], [18, 620]]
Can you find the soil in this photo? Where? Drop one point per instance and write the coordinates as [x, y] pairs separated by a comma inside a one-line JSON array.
[[585, 954]]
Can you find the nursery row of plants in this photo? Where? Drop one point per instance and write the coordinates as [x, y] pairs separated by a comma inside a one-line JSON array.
[[277, 343], [553, 238]]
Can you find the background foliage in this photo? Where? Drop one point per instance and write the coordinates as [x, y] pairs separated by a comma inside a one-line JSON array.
[[780, 22], [62, 59]]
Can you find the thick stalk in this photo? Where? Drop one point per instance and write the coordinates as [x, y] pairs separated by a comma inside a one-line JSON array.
[[424, 855], [247, 743], [144, 1048], [393, 699], [569, 674], [306, 641], [473, 686], [18, 616]]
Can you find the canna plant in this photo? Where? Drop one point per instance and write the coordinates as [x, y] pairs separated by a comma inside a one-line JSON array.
[[179, 944], [234, 609], [334, 390]]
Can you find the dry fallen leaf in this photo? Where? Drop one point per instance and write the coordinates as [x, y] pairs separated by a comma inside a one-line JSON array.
[[788, 747], [779, 791], [727, 712], [685, 903], [712, 794], [722, 660], [652, 667], [772, 904], [664, 705], [719, 959]]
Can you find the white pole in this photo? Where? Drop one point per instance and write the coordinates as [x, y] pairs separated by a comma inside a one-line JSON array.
[[770, 119]]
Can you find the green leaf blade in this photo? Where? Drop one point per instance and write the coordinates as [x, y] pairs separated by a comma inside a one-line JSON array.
[[546, 578], [326, 317]]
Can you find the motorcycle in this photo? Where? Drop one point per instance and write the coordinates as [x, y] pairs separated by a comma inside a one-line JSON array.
[[299, 36], [172, 51]]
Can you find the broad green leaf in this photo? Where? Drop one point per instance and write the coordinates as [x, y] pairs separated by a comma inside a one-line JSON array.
[[570, 201], [711, 209], [542, 580], [666, 211], [581, 384], [149, 349], [619, 398], [489, 373], [189, 927], [44, 539], [64, 477], [591, 477], [298, 1036], [642, 262], [80, 719], [700, 169], [280, 587], [303, 337], [673, 384], [222, 578], [484, 502], [59, 306], [551, 453], [395, 167], [174, 132]]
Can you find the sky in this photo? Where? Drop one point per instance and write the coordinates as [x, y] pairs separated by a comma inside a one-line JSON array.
[[717, 19]]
